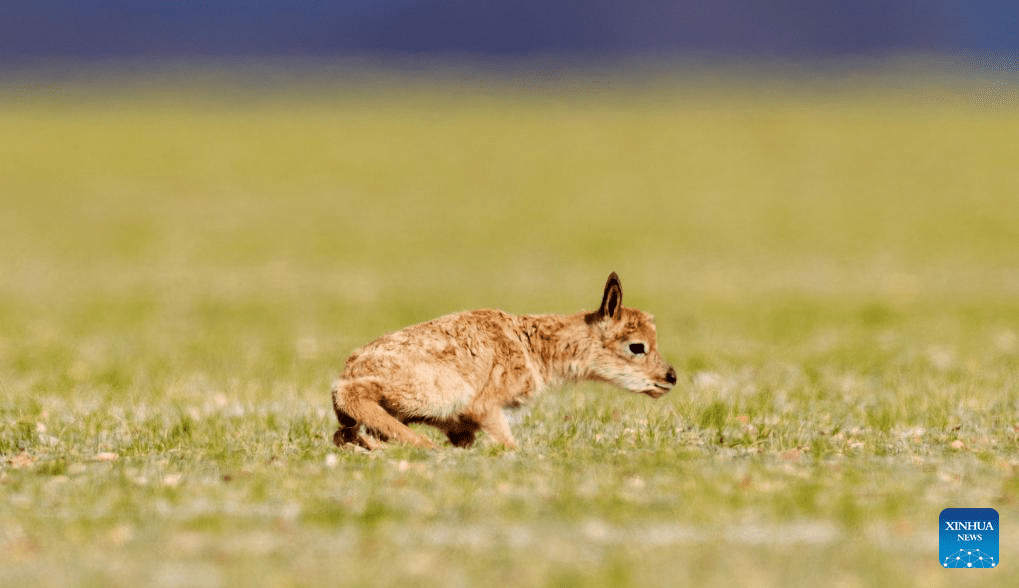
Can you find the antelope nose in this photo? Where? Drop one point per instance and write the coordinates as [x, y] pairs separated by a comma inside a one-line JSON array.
[[670, 376]]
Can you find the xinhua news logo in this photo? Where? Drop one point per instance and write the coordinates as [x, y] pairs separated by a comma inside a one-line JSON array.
[[969, 538]]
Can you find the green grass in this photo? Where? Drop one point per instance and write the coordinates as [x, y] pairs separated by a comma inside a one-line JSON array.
[[183, 275]]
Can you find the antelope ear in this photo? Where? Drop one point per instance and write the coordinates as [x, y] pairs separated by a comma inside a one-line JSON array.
[[612, 299]]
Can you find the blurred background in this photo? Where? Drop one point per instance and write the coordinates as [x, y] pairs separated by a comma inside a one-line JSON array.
[[325, 171], [206, 206]]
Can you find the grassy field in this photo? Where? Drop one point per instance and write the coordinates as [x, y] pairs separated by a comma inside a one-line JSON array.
[[184, 268]]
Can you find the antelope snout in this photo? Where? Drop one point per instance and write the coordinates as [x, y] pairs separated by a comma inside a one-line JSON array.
[[670, 376]]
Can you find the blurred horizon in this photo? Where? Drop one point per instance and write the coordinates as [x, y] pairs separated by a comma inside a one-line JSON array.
[[781, 28]]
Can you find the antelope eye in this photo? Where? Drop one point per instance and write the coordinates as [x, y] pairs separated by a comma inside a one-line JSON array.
[[636, 348]]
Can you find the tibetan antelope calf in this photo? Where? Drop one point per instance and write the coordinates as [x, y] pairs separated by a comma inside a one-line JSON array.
[[458, 372]]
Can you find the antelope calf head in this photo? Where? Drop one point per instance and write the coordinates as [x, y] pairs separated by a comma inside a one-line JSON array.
[[628, 355]]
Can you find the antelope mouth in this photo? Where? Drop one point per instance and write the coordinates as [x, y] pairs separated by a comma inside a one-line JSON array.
[[658, 391]]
